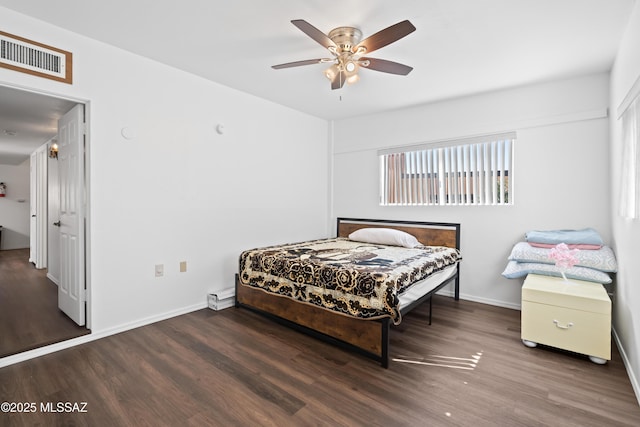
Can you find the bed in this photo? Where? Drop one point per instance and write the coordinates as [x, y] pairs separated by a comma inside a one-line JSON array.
[[349, 291]]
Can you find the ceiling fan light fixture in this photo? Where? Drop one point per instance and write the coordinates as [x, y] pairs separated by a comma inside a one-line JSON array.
[[332, 72], [351, 71], [350, 66], [353, 79]]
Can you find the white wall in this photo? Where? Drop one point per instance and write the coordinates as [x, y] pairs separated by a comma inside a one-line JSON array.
[[626, 234], [561, 173], [178, 191], [14, 208]]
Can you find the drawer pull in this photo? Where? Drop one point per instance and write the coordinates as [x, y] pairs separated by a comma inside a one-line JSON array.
[[568, 325]]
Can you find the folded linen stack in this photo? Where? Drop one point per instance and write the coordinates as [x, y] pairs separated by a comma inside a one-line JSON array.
[[594, 260]]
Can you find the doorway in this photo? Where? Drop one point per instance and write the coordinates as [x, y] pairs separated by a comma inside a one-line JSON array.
[[29, 303]]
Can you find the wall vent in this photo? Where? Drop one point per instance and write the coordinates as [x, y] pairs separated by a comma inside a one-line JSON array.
[[20, 54]]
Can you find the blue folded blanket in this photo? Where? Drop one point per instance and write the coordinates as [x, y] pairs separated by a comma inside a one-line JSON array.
[[586, 236]]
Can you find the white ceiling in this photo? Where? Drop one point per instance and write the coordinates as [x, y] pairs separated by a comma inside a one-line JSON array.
[[27, 120], [460, 47]]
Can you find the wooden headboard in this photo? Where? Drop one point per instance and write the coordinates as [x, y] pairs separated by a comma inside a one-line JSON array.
[[427, 233]]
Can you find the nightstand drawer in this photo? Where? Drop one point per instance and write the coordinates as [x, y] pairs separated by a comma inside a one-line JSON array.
[[567, 328]]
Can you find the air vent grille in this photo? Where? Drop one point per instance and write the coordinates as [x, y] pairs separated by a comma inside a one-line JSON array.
[[30, 57]]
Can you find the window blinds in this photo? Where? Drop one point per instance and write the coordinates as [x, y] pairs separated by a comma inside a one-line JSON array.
[[470, 171]]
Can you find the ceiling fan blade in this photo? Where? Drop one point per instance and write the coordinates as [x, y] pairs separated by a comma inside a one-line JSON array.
[[386, 36], [386, 66], [338, 80], [314, 33], [298, 63]]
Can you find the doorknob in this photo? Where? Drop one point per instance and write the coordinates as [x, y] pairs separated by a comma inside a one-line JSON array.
[[57, 223]]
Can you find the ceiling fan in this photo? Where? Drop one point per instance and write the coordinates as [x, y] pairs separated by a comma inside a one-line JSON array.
[[348, 51]]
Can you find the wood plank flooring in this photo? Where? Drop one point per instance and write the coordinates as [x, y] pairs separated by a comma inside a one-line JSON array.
[[29, 314], [235, 368]]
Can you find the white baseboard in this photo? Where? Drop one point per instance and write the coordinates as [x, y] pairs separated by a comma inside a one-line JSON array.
[[488, 301], [474, 298], [31, 354], [627, 364], [53, 279]]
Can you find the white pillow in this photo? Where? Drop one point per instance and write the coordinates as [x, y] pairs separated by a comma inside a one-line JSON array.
[[385, 236]]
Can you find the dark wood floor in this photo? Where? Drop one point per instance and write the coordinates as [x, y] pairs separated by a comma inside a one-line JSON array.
[[29, 314], [233, 367]]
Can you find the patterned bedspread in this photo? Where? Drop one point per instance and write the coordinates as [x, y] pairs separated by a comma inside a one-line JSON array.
[[352, 278]]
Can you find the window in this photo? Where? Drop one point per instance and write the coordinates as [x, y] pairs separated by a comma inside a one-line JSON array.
[[471, 171], [630, 186]]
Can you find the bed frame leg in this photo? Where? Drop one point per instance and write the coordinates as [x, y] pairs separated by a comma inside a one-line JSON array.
[[430, 308], [385, 343]]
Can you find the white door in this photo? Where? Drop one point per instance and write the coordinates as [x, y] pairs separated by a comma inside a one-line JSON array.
[[71, 289], [41, 208], [53, 213], [33, 197]]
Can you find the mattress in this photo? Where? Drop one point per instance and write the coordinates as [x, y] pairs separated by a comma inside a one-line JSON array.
[[352, 278], [423, 287]]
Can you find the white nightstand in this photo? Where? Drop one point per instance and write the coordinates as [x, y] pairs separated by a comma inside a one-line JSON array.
[[573, 315]]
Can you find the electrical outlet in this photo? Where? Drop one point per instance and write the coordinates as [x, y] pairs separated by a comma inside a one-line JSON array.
[[159, 270], [183, 266]]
